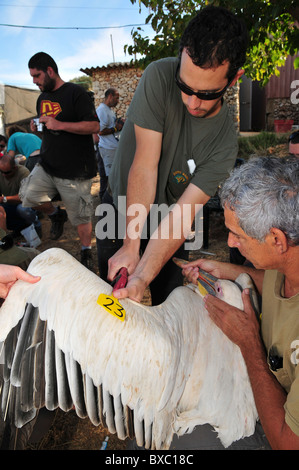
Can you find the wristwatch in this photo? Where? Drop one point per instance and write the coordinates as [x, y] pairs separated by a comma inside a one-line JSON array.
[[4, 199]]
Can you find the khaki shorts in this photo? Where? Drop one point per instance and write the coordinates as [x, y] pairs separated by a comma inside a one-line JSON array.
[[40, 187]]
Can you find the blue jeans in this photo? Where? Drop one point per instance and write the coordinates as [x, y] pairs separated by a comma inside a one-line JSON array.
[[19, 217], [102, 173]]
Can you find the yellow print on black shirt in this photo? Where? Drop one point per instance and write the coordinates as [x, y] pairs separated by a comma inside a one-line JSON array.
[[48, 108]]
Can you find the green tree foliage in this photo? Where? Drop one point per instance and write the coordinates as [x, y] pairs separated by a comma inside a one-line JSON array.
[[84, 81], [273, 34]]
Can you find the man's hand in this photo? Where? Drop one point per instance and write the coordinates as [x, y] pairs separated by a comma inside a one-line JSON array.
[[9, 275], [33, 126], [216, 268], [51, 123], [119, 124], [134, 290], [126, 257], [241, 327]]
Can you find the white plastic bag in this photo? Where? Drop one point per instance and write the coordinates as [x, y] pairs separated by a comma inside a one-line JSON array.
[[32, 238]]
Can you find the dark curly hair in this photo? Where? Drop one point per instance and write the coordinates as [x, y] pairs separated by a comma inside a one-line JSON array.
[[213, 36], [41, 61]]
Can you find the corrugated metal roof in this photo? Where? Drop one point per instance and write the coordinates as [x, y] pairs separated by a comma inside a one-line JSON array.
[[280, 87]]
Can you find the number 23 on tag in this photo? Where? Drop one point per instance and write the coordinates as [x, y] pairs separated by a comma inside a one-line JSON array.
[[112, 305]]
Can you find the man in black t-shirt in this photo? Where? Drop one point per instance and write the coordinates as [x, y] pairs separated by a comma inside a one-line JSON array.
[[67, 159]]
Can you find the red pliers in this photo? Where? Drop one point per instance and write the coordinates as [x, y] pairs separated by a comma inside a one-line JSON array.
[[120, 279]]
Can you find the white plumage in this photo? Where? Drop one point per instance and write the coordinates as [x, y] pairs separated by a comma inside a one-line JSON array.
[[163, 370]]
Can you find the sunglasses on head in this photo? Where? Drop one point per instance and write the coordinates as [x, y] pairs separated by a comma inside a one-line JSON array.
[[202, 95]]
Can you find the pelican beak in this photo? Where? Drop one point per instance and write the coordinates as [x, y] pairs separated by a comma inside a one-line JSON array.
[[205, 281]]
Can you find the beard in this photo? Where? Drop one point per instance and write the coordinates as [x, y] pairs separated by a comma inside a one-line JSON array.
[[49, 83]]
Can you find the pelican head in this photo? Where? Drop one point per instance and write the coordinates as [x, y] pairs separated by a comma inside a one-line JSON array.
[[228, 291]]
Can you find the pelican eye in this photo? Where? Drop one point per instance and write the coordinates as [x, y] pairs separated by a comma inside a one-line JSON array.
[[218, 289]]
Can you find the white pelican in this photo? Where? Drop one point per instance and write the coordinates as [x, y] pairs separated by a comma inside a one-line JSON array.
[[148, 372]]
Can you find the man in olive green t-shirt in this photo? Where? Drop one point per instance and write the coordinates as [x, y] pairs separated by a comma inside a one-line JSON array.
[[261, 207], [177, 145]]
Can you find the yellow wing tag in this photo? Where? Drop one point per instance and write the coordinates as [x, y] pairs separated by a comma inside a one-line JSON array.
[[112, 305], [201, 289]]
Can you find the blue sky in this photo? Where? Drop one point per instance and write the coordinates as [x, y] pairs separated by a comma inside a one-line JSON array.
[[72, 49]]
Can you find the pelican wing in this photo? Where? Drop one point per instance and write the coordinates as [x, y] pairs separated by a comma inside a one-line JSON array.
[[150, 376], [70, 352]]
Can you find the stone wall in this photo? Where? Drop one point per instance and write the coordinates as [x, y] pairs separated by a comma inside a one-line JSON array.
[[122, 77], [281, 108], [232, 99], [126, 78]]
